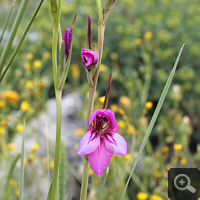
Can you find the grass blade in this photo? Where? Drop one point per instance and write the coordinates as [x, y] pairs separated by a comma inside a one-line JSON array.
[[153, 120], [21, 179], [21, 41], [13, 3]]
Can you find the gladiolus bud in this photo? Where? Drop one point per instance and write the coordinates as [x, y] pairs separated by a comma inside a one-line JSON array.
[[89, 57], [67, 41]]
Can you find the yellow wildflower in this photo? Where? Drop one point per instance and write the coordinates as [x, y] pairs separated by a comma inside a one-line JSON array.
[[29, 84], [37, 64], [10, 96], [36, 93], [17, 192], [177, 147], [148, 35], [79, 131], [148, 105], [183, 161], [4, 123], [103, 68], [121, 124], [165, 150], [158, 174], [114, 107], [9, 117], [11, 146], [142, 196], [120, 111], [35, 147], [131, 130], [31, 157], [75, 70], [24, 106], [125, 102], [90, 172], [2, 131], [51, 164], [11, 182], [138, 41], [156, 197], [25, 161], [97, 182], [20, 127], [101, 99], [29, 56], [41, 84], [27, 66], [128, 157], [114, 56], [46, 55], [2, 103]]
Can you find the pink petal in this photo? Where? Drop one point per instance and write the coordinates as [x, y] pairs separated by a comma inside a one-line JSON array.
[[115, 144], [99, 159], [88, 143]]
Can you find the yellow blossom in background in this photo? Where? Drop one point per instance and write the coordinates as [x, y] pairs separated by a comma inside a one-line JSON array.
[[128, 157], [27, 66], [148, 105], [11, 182], [51, 164], [29, 56], [24, 106], [97, 182], [148, 35], [165, 150], [2, 131], [121, 124], [142, 196], [17, 192], [35, 147], [36, 93], [114, 56], [29, 84], [10, 96], [4, 123], [131, 130], [75, 70], [103, 68], [41, 84], [183, 161], [2, 103], [46, 55], [19, 127], [114, 107], [90, 172], [177, 147], [101, 99], [156, 197], [31, 157], [120, 111], [9, 117], [12, 146], [158, 174], [37, 64], [25, 161], [79, 131], [125, 102], [138, 41]]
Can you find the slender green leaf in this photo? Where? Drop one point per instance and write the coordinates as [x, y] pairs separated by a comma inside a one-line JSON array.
[[11, 9], [153, 120], [12, 33], [20, 42], [10, 172], [52, 6], [21, 178], [49, 193]]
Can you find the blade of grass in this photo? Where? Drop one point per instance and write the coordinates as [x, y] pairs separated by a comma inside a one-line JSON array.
[[21, 179], [11, 9], [20, 42], [13, 32], [153, 120]]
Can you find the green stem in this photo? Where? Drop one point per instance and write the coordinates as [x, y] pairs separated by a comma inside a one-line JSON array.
[[57, 147], [12, 33]]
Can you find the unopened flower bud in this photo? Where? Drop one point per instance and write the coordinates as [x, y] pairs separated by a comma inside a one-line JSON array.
[[67, 41]]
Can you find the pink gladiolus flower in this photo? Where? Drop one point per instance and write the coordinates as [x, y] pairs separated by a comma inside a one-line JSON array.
[[67, 40], [101, 141], [88, 57]]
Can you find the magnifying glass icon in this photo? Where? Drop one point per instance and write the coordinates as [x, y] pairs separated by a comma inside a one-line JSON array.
[[186, 184]]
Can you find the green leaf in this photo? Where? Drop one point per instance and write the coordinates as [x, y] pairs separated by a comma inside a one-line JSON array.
[[153, 120], [62, 58], [52, 6], [21, 178], [20, 42]]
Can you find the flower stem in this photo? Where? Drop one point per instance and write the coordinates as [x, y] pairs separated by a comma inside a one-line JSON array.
[[92, 90]]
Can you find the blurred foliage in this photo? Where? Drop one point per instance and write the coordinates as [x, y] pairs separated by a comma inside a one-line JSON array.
[[142, 41]]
